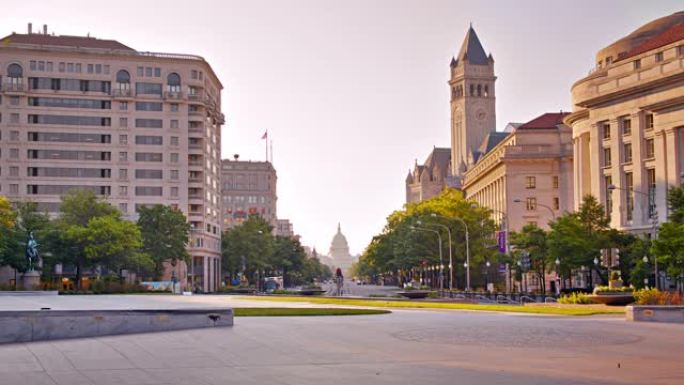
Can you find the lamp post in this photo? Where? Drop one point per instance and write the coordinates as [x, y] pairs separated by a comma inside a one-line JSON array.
[[558, 277], [653, 215], [487, 264], [645, 259], [439, 239], [451, 270], [467, 239]]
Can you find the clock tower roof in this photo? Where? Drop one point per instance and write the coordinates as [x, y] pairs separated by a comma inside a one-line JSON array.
[[471, 50]]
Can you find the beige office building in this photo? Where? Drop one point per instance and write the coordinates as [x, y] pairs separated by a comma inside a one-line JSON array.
[[525, 173], [138, 128], [628, 124], [247, 188]]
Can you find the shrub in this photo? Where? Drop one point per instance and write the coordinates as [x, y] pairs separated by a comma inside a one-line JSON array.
[[657, 297], [575, 299], [615, 290]]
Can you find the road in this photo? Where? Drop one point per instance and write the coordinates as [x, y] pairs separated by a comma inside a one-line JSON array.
[[405, 347]]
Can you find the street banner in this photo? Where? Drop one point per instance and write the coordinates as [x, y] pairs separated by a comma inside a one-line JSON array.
[[502, 242]]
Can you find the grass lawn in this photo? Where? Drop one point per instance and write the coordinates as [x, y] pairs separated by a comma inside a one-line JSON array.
[[301, 312], [553, 309]]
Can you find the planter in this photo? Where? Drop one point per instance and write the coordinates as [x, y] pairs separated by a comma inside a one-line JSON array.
[[415, 294], [617, 299], [655, 313], [311, 292]]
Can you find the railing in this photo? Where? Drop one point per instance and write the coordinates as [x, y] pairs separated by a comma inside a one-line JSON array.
[[166, 55], [13, 87], [195, 97], [118, 93], [195, 146], [506, 298], [176, 95], [195, 163]]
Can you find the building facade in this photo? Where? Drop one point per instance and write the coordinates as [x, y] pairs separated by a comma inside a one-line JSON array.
[[284, 228], [138, 128], [525, 173], [628, 125], [429, 179], [247, 188]]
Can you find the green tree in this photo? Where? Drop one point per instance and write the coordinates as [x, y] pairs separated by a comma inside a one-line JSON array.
[[7, 224], [577, 238], [72, 239], [247, 248], [532, 241], [165, 234], [668, 248]]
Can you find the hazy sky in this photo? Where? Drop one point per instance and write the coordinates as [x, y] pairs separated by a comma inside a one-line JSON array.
[[353, 91]]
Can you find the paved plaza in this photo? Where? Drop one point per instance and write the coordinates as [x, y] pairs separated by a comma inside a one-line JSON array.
[[405, 347]]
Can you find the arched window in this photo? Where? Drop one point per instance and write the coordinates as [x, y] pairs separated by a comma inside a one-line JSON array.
[[123, 77], [479, 90], [173, 82], [15, 71], [486, 94], [472, 90]]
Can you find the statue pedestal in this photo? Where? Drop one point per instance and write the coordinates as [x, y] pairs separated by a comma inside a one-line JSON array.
[[30, 280]]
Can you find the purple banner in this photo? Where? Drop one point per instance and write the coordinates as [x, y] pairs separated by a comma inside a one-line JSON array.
[[502, 242]]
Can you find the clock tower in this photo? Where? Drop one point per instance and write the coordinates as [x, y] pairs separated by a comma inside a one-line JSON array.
[[473, 107]]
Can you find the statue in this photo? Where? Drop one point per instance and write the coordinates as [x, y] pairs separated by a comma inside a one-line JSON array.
[[31, 251]]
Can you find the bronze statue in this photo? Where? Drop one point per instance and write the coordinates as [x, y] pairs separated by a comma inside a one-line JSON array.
[[31, 251]]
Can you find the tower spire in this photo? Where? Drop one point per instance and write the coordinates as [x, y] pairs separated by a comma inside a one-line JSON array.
[[471, 49]]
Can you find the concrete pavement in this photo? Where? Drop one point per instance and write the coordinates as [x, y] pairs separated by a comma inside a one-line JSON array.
[[406, 347]]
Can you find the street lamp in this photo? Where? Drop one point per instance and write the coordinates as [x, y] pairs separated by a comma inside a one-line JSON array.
[[467, 239], [645, 259], [439, 239], [653, 215], [487, 264], [451, 273], [557, 262]]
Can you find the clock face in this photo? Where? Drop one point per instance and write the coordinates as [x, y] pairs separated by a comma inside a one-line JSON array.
[[480, 114]]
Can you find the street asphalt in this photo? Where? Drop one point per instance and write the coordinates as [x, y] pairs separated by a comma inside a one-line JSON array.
[[405, 347]]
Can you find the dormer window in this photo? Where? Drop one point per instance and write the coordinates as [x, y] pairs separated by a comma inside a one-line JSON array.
[[173, 82], [658, 57], [637, 64]]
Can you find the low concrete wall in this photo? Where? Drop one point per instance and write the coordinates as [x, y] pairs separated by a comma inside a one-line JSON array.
[[37, 325], [20, 293], [654, 313]]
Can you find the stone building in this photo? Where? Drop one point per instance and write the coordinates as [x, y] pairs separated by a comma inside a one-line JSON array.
[[628, 125], [284, 228], [429, 179], [139, 128], [473, 99], [247, 188], [339, 254], [524, 173]]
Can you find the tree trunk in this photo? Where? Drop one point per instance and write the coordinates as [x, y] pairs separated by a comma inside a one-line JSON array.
[[78, 275]]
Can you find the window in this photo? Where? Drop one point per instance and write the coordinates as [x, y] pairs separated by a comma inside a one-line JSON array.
[[193, 74], [148, 140], [174, 107], [626, 127], [140, 71], [554, 181], [60, 67], [14, 153], [649, 121], [14, 100], [174, 157], [69, 120], [530, 182], [629, 199], [627, 152], [531, 204], [123, 173], [486, 90], [148, 157], [174, 174], [556, 203], [658, 57], [148, 191], [70, 103], [123, 190], [148, 123], [148, 174], [651, 181], [123, 139], [637, 64], [14, 118], [15, 71], [157, 72], [174, 141], [14, 171], [123, 122], [148, 72], [606, 130], [148, 88], [607, 181], [606, 157], [148, 106], [14, 135], [123, 207], [479, 90], [14, 189], [123, 156], [680, 50], [472, 90], [174, 191], [90, 68], [173, 82], [174, 123], [649, 147]]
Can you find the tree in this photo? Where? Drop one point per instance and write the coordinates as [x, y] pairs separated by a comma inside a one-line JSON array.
[[165, 234], [114, 243], [532, 241], [400, 248], [246, 248], [668, 248], [72, 239], [675, 202], [577, 238], [7, 224]]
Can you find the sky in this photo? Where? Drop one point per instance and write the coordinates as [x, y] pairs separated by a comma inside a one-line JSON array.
[[352, 92]]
